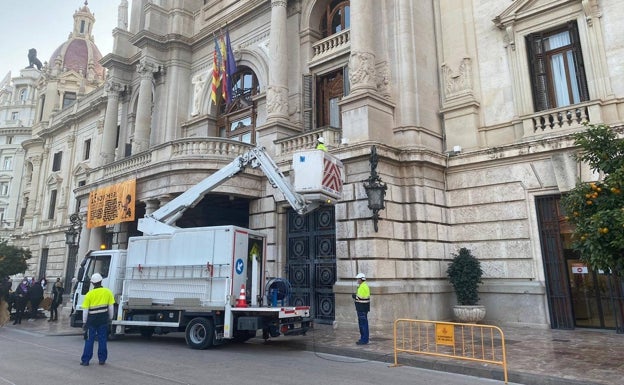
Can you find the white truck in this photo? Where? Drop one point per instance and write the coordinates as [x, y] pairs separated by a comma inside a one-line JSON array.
[[208, 282]]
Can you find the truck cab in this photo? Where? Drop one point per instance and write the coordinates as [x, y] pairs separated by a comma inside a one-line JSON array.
[[111, 265]]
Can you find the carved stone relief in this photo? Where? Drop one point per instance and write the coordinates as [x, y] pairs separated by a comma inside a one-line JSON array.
[[361, 69], [277, 100], [460, 82]]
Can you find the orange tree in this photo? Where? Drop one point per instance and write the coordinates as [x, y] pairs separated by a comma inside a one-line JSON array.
[[596, 209], [12, 259]]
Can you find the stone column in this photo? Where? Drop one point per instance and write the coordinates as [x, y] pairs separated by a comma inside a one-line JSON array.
[[34, 185], [362, 60], [277, 91], [146, 70], [107, 151], [151, 205]]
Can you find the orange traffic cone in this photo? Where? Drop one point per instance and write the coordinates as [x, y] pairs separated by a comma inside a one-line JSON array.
[[242, 301]]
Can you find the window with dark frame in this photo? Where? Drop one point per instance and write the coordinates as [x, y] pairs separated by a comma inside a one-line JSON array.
[[330, 88], [52, 207], [337, 18], [41, 108], [237, 120], [43, 262], [68, 99], [557, 70], [56, 162], [87, 149]]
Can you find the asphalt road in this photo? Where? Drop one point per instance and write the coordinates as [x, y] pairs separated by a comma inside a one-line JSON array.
[[32, 358]]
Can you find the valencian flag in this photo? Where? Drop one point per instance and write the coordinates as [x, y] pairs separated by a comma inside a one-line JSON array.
[[215, 72], [230, 65]]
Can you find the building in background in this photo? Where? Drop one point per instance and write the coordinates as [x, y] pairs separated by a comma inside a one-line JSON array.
[[470, 106]]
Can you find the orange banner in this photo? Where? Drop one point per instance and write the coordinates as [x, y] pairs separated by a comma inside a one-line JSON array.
[[112, 204]]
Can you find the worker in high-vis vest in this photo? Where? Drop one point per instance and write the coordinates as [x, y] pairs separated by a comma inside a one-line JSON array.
[[97, 311], [362, 307], [320, 144]]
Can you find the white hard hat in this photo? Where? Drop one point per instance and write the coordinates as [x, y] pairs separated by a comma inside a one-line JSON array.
[[321, 139], [361, 276], [95, 278]]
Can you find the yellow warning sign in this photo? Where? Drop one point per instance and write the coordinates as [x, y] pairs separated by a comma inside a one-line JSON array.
[[445, 334]]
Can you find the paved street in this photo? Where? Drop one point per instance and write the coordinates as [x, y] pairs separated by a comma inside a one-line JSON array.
[[167, 360], [535, 356]]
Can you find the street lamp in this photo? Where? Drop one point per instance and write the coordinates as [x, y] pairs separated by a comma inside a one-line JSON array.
[[72, 239], [375, 189], [72, 234]]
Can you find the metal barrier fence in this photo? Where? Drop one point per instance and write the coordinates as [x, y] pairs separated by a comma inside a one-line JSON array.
[[472, 342]]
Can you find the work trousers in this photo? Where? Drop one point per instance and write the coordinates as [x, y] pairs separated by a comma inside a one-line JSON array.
[[101, 331], [363, 324]]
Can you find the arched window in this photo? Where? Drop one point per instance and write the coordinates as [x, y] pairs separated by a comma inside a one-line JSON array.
[[337, 18], [237, 120]]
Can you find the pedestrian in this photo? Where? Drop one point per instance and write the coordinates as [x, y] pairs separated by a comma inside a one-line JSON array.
[[35, 294], [44, 283], [5, 292], [97, 311], [20, 298], [362, 307], [320, 144], [57, 299]]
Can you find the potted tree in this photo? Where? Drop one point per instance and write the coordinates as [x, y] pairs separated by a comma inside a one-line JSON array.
[[464, 273]]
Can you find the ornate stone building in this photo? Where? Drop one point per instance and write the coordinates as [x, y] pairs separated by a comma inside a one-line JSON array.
[[470, 105]]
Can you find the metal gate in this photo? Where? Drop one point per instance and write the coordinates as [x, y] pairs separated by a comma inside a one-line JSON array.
[[311, 261], [583, 298], [557, 290]]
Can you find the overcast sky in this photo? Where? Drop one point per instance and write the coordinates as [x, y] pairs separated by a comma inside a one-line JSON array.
[[45, 25]]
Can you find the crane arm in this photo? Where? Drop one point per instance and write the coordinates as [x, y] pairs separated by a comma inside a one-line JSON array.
[[162, 221]]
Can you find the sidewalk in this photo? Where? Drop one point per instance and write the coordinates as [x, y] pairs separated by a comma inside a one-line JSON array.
[[534, 356]]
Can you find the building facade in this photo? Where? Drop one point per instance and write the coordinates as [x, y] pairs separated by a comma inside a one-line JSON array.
[[470, 106]]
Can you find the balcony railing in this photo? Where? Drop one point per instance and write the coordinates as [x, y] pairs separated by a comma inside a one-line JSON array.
[[332, 45], [307, 140], [569, 117], [204, 148]]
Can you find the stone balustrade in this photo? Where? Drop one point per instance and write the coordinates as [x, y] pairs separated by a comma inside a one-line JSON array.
[[307, 140], [172, 151], [561, 118], [334, 44]]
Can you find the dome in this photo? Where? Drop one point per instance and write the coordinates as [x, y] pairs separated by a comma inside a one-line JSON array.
[[79, 53]]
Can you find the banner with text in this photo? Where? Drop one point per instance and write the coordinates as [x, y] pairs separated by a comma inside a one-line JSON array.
[[112, 204]]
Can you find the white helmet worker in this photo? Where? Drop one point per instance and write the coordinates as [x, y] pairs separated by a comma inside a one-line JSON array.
[[361, 276], [95, 278], [320, 139]]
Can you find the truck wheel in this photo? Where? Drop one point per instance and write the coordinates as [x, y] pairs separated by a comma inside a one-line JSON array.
[[147, 332], [199, 333]]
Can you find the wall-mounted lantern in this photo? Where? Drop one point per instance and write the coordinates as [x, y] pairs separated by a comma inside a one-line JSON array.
[[375, 189]]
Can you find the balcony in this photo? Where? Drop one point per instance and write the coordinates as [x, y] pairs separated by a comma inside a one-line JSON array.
[[172, 156], [307, 140], [330, 47], [562, 119]]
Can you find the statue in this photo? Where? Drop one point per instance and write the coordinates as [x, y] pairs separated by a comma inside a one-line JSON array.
[[32, 59]]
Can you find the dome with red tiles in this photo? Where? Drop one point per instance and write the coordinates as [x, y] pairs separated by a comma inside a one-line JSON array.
[[79, 53]]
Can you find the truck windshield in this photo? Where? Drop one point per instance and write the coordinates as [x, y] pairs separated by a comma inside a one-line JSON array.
[[95, 264]]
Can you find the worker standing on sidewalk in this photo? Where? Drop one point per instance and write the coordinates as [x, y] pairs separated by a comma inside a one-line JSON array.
[[362, 307], [97, 312]]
